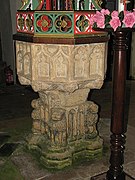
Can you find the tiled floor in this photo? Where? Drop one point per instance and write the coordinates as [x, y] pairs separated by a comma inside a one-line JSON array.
[[15, 111]]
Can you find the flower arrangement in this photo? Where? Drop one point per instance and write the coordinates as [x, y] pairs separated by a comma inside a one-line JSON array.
[[106, 19]]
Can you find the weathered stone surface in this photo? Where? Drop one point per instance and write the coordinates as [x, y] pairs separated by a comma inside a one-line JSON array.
[[64, 122], [61, 67]]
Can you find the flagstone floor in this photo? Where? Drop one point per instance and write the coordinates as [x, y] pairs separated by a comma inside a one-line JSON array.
[[15, 124]]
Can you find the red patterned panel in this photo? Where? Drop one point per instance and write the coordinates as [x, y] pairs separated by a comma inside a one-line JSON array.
[[82, 23], [25, 22]]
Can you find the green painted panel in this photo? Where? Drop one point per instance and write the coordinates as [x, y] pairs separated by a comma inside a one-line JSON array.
[[35, 4], [87, 2], [50, 22]]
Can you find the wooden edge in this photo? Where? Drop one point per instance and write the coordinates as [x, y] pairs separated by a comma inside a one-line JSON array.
[[95, 38]]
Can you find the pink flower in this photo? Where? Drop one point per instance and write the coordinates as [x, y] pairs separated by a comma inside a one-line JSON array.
[[99, 19], [105, 11], [115, 23], [114, 14], [91, 19], [129, 19]]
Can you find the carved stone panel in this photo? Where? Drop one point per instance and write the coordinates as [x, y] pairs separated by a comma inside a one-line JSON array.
[[24, 62], [61, 67]]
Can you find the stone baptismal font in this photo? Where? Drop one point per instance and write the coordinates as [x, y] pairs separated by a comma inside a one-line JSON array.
[[62, 58]]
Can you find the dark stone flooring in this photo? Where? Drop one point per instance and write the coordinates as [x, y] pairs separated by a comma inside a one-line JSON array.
[[16, 121]]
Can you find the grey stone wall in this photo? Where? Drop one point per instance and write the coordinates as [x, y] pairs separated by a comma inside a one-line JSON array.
[[7, 29]]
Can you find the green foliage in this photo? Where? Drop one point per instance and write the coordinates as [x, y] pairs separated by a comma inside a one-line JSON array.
[[121, 16], [107, 20]]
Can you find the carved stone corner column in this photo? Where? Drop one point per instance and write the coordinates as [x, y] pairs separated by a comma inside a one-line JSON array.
[[64, 122]]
